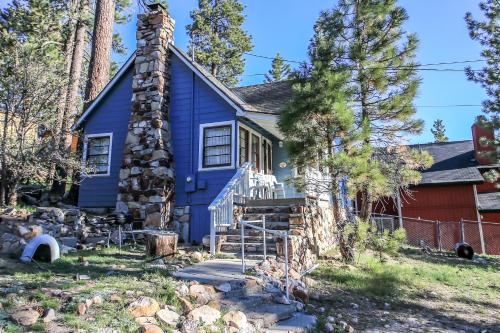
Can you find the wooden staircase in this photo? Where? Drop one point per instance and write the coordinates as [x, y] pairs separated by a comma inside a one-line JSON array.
[[277, 213]]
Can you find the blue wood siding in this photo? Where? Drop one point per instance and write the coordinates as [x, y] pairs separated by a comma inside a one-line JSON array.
[[112, 115], [194, 103]]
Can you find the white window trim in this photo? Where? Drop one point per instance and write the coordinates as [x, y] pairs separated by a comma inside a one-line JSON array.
[[250, 148], [85, 146], [232, 123]]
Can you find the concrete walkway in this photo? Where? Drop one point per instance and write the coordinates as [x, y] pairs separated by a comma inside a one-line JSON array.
[[215, 271]]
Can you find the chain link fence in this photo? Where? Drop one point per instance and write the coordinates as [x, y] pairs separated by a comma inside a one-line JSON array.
[[484, 237]]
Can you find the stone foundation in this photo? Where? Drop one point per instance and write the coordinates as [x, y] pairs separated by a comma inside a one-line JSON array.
[[181, 222], [312, 232]]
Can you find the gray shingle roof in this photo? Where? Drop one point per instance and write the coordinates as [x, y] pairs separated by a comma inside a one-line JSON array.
[[267, 97], [488, 201], [453, 163]]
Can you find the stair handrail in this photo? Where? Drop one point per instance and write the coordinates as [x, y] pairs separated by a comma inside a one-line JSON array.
[[283, 234], [221, 208]]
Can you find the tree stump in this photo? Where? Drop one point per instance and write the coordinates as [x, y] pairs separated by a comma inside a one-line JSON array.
[[161, 244]]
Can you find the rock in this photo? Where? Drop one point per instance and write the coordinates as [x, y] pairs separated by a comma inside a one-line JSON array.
[[281, 299], [25, 317], [150, 328], [236, 319], [82, 308], [144, 307], [301, 294], [154, 220], [205, 313], [146, 320], [214, 304], [97, 300], [349, 329], [115, 298], [201, 293], [189, 326], [329, 327], [34, 231], [49, 315], [186, 305], [196, 257], [182, 290], [167, 316], [330, 319], [354, 306], [224, 287]]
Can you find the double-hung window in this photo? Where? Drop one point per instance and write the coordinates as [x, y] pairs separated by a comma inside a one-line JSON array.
[[217, 146], [97, 153]]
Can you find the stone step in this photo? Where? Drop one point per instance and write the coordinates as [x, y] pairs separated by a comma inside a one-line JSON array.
[[267, 209], [270, 225], [276, 202], [248, 232], [270, 217], [250, 239], [249, 247], [298, 323]]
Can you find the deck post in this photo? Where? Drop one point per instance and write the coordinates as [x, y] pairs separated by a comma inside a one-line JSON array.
[[212, 232], [264, 235], [286, 266], [243, 269]]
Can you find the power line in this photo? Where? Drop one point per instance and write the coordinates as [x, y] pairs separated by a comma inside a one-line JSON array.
[[417, 65]]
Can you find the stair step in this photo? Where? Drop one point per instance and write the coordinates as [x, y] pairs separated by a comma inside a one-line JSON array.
[[267, 209], [270, 225], [248, 232], [270, 217], [252, 247], [249, 239]]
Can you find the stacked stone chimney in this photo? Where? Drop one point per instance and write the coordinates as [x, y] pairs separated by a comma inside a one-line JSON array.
[[146, 186]]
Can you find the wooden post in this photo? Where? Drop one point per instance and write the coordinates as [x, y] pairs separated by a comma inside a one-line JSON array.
[[161, 243]]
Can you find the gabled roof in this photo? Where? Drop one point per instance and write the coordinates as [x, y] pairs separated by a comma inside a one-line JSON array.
[[453, 163], [488, 201], [266, 99]]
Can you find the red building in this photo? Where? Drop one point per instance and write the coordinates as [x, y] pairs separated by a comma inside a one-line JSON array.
[[454, 189]]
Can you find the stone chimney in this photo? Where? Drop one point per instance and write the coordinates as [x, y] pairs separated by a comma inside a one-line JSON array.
[[479, 130], [146, 186]]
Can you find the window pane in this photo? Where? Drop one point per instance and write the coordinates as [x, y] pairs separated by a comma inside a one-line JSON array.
[[243, 146], [217, 146], [256, 151]]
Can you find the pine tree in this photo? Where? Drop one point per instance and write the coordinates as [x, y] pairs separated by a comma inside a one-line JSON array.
[[370, 41], [319, 128], [439, 131], [487, 34], [279, 70], [218, 38]]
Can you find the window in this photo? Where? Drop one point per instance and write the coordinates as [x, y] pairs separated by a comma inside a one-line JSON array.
[[268, 166], [97, 153], [244, 145], [217, 146], [256, 151]]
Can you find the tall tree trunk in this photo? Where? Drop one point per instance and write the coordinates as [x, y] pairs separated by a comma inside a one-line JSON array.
[[70, 100], [99, 66], [100, 58], [3, 183]]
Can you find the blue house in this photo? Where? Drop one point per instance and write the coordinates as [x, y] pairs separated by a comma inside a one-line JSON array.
[[204, 133]]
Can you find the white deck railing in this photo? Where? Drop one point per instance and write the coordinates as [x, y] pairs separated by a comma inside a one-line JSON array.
[[237, 190]]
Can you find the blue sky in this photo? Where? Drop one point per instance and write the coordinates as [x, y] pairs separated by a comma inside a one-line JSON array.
[[286, 26]]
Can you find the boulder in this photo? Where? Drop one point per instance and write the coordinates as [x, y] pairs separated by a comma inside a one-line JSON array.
[[150, 328], [224, 287], [146, 320], [49, 315], [236, 319], [186, 305], [25, 317], [82, 309], [168, 317], [205, 314], [144, 307], [301, 294]]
